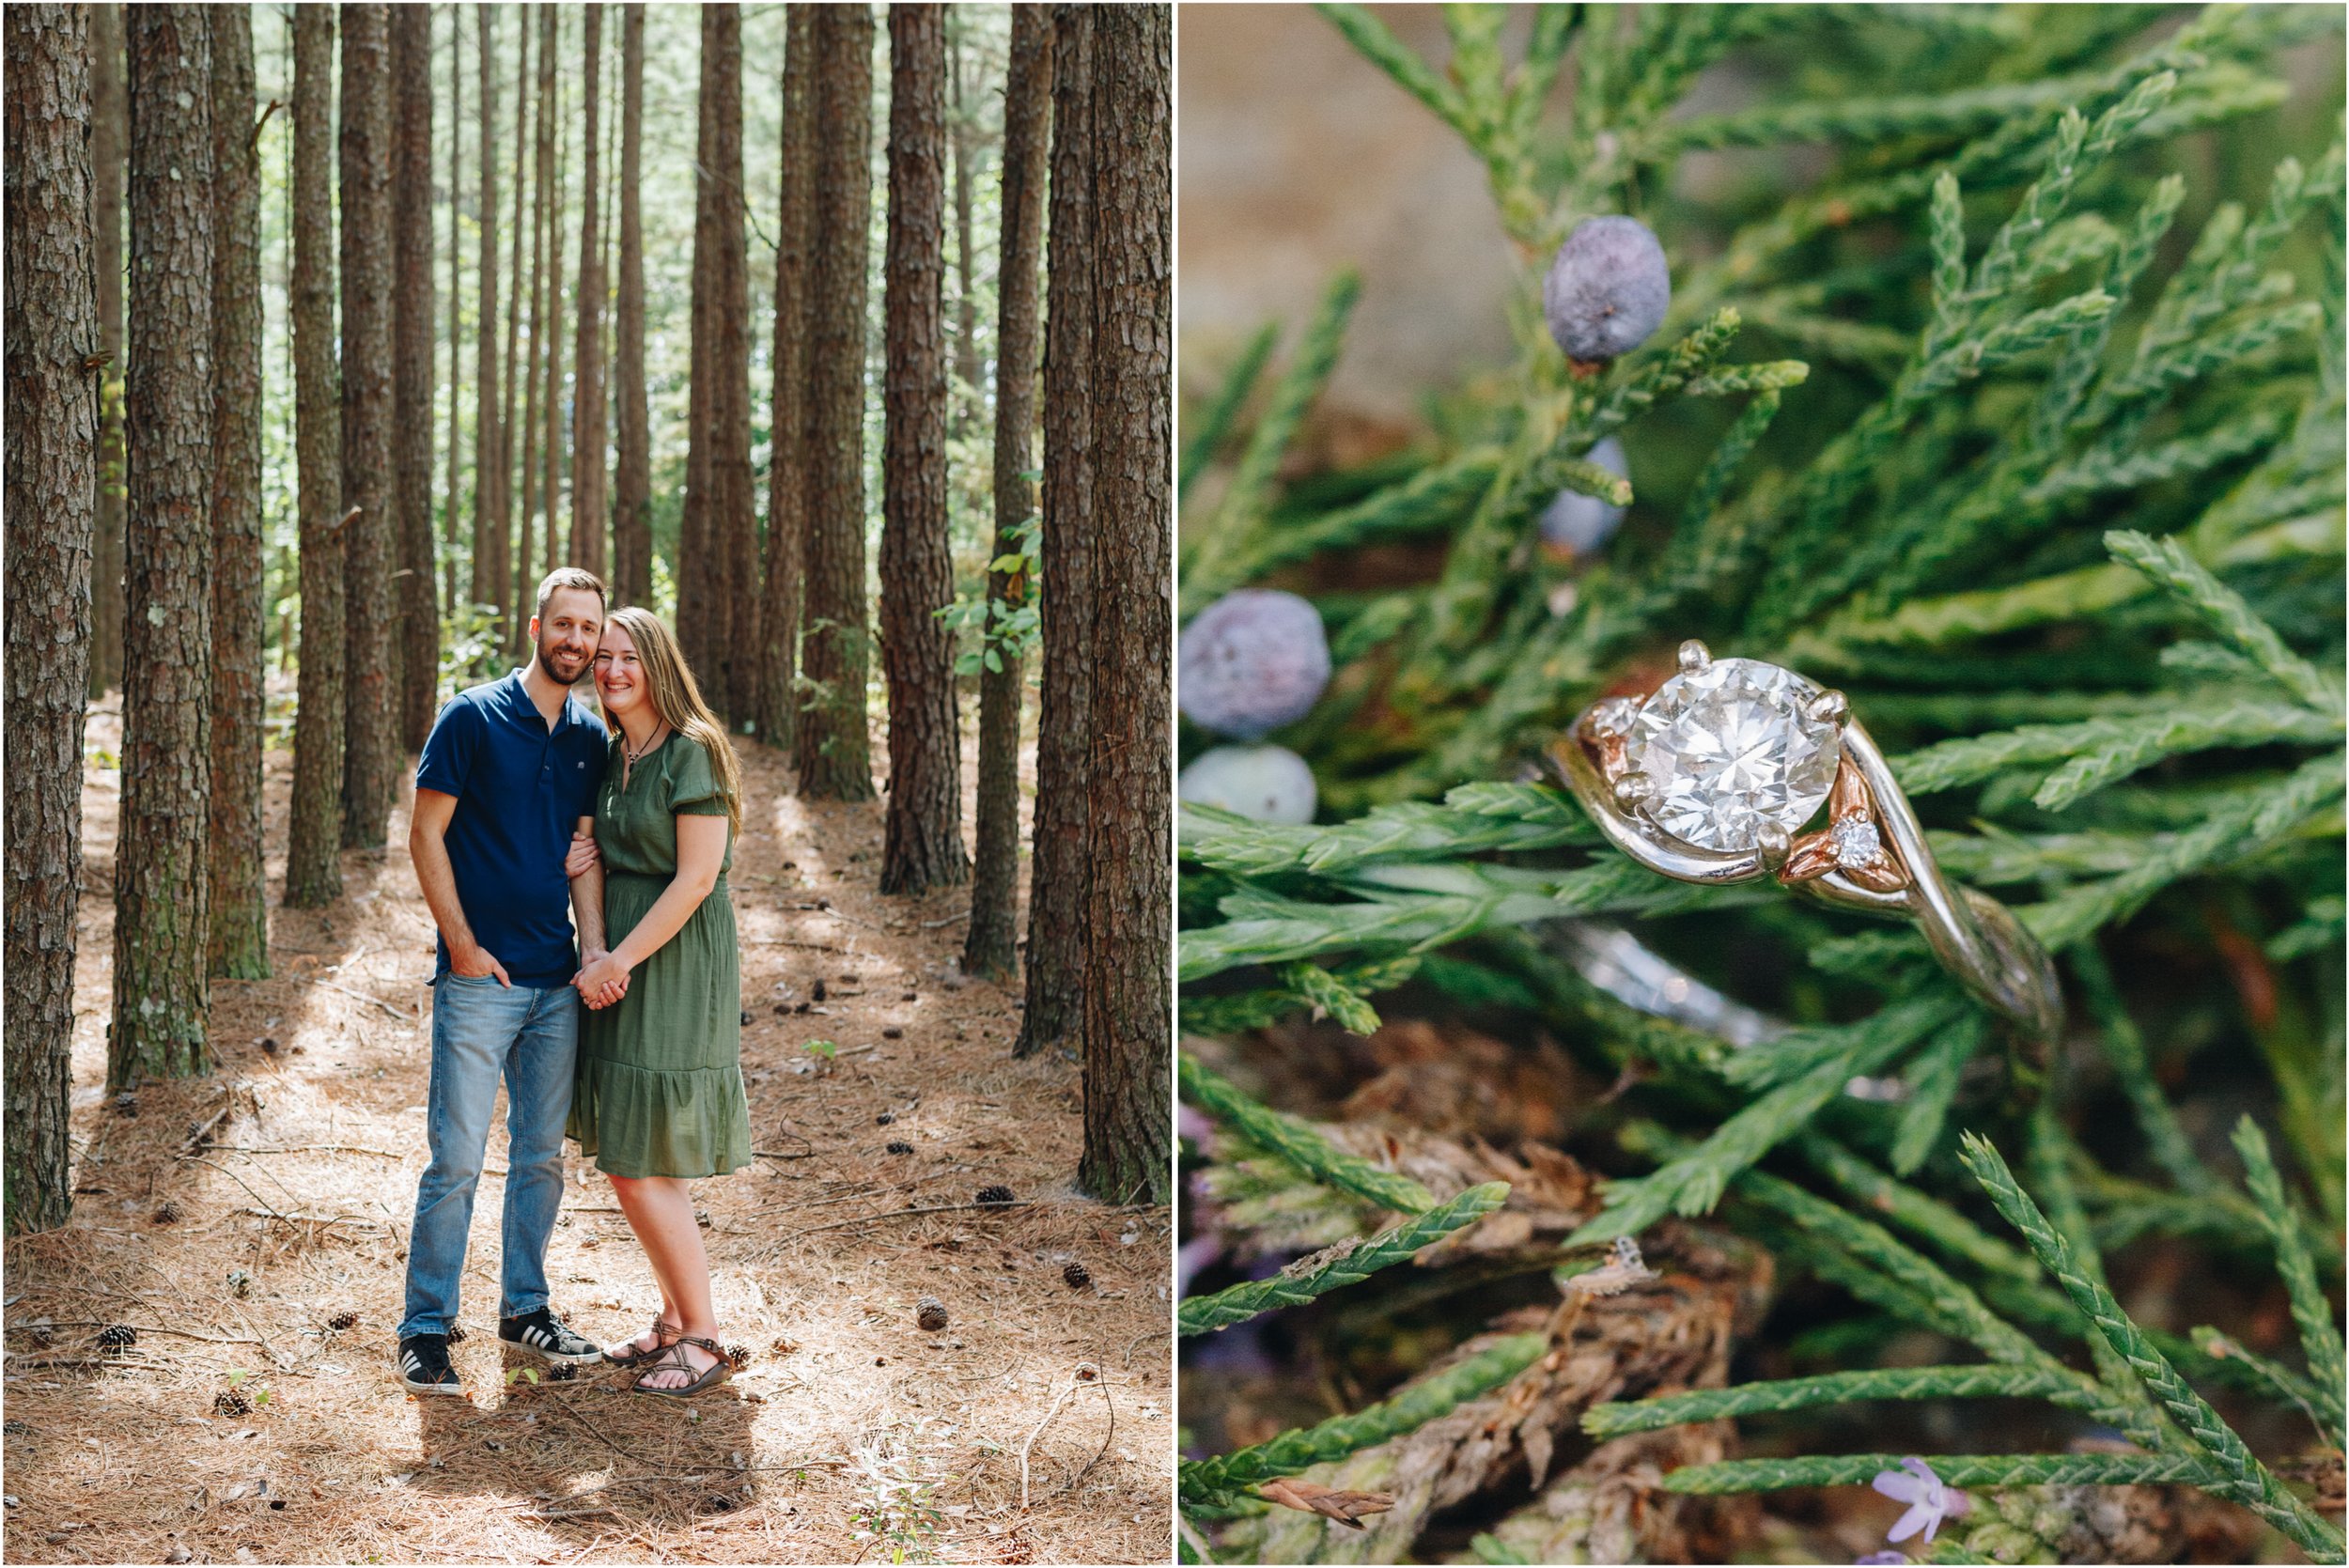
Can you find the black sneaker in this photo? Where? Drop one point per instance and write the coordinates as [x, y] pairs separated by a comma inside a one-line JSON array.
[[549, 1335], [424, 1367]]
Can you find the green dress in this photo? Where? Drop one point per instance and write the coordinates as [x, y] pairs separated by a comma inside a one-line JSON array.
[[659, 1087]]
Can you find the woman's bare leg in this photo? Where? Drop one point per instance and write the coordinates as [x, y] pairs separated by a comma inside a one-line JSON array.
[[661, 1211]]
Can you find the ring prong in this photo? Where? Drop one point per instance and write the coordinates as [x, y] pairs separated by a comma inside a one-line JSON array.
[[1828, 708], [1694, 657], [1632, 788], [1776, 844]]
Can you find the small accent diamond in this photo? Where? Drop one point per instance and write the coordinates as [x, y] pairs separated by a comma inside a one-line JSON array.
[[1855, 841]]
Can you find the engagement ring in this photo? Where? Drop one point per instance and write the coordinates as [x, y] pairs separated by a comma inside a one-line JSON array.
[[1714, 778]]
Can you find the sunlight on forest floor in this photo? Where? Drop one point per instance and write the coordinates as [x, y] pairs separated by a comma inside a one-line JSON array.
[[850, 1432]]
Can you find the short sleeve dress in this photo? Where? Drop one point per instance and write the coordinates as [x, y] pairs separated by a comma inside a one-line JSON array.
[[659, 1091]]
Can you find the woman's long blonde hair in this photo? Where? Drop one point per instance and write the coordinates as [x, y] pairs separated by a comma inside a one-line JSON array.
[[677, 698]]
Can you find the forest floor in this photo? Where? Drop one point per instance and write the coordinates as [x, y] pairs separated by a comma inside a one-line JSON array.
[[850, 1435]]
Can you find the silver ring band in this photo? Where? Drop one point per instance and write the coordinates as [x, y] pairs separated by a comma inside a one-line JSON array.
[[1872, 857]]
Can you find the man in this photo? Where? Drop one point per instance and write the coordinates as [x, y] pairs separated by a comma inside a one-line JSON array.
[[509, 774]]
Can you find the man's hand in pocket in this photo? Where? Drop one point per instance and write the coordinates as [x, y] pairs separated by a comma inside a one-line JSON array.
[[476, 963]]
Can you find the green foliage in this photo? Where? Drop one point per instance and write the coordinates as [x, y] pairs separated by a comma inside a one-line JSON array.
[[1334, 1267]]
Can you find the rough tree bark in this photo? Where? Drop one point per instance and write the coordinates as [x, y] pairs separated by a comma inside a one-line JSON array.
[[1057, 871], [632, 507], [922, 847], [510, 565], [53, 331], [987, 946], [590, 504], [831, 752], [412, 401], [965, 134], [314, 875], [550, 439], [1128, 1023], [734, 523], [239, 934], [371, 598], [162, 891], [786, 476], [524, 575], [109, 135], [491, 454], [447, 602]]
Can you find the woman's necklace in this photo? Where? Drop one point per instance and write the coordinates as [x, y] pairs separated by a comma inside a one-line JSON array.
[[637, 756]]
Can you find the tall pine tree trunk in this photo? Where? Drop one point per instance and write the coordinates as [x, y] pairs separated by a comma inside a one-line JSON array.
[[631, 518], [109, 138], [987, 946], [733, 517], [448, 601], [833, 751], [550, 452], [510, 515], [542, 182], [590, 504], [922, 843], [1058, 873], [412, 401], [314, 875], [719, 561], [239, 934], [52, 325], [490, 455], [965, 134], [1130, 953], [163, 890], [371, 598], [787, 409]]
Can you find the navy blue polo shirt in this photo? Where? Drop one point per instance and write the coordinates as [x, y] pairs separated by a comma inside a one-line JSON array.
[[519, 788]]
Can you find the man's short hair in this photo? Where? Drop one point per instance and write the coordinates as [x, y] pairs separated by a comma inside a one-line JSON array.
[[570, 577]]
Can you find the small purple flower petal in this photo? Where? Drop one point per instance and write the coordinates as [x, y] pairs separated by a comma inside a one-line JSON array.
[[1882, 1560], [1919, 1517], [1898, 1488], [1929, 1501]]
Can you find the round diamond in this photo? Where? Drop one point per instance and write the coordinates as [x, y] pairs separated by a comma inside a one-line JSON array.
[[1855, 841], [1728, 748]]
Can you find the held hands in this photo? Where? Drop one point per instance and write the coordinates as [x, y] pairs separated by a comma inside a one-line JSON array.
[[604, 980]]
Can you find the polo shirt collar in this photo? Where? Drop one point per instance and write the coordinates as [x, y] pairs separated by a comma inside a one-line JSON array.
[[519, 705]]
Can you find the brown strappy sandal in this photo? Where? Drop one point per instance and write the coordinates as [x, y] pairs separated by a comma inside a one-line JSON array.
[[662, 1329], [672, 1359]]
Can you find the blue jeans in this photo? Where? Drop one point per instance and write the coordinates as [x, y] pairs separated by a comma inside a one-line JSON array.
[[480, 1032]]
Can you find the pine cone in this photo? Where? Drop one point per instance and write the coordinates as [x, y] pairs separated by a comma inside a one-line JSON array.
[[738, 1357], [343, 1320], [117, 1337], [240, 1283], [231, 1403], [1078, 1276], [126, 1104], [930, 1312], [561, 1372], [885, 1118], [167, 1213], [996, 1196], [900, 1146], [456, 1333]]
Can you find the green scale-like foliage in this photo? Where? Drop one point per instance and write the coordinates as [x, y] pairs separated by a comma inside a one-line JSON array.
[[2051, 487]]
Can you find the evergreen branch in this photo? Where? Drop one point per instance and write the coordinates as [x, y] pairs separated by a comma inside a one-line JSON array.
[[1955, 1470], [1694, 1183], [1800, 1051], [1292, 1452], [2281, 1381], [1801, 1393], [1588, 479], [1360, 27], [1226, 1016], [1350, 1262], [2206, 356], [1215, 423], [1960, 113], [1769, 376], [2125, 1048], [2320, 1336], [1931, 1087], [2237, 1473], [1474, 819], [1668, 372], [2100, 750], [1294, 1141], [1326, 993], [1921, 1215], [2167, 563], [2123, 464]]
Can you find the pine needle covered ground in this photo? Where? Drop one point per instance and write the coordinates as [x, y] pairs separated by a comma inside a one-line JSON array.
[[2017, 416], [250, 1421]]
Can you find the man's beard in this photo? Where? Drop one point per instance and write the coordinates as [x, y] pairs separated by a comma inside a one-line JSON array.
[[546, 662]]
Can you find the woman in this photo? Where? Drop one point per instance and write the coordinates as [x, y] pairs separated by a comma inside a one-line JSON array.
[[659, 1098]]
